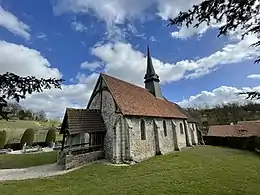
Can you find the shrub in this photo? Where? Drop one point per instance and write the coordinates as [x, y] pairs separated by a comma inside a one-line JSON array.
[[14, 146], [2, 139], [249, 143], [51, 136], [28, 137]]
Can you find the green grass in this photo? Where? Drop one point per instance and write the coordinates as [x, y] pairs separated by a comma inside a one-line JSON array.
[[201, 170], [10, 161]]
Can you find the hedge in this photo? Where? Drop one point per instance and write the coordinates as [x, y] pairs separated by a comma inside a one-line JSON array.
[[51, 136], [248, 143], [28, 137], [2, 139]]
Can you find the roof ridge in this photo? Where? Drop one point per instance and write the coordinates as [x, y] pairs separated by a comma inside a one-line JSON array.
[[123, 81], [83, 109]]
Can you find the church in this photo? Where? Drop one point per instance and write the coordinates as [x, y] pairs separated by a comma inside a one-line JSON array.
[[128, 122]]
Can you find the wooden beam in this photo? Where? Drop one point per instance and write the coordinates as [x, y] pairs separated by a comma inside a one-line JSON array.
[[63, 141]]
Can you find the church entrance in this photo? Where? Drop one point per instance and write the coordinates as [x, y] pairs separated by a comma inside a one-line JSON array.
[[156, 138]]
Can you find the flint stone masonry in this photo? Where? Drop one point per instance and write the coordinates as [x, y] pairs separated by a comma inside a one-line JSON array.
[[110, 117], [96, 102], [72, 161], [193, 130], [181, 137], [144, 149], [166, 142], [141, 149]]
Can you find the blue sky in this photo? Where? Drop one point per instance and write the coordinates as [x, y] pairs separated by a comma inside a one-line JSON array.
[[78, 39]]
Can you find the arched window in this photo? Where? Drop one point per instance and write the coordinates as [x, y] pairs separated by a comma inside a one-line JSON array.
[[181, 128], [164, 128], [142, 126], [193, 127]]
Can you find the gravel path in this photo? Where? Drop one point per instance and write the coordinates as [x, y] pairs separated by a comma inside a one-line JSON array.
[[33, 172], [41, 171]]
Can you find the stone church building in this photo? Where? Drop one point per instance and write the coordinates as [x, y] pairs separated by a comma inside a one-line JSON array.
[[137, 123]]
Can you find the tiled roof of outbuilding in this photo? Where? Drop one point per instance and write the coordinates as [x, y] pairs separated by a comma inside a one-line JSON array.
[[82, 121], [240, 130]]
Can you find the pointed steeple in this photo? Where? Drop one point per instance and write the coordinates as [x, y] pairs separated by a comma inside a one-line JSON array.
[[150, 69], [151, 78]]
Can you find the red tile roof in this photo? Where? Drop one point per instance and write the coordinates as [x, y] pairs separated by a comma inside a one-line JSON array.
[[137, 101], [240, 130]]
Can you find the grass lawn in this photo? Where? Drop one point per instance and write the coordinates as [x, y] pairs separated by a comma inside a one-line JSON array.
[[201, 170], [10, 161]]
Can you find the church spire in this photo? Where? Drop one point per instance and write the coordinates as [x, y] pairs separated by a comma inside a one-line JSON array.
[[151, 78], [150, 69]]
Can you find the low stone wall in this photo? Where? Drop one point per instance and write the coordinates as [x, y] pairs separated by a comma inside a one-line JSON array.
[[72, 161]]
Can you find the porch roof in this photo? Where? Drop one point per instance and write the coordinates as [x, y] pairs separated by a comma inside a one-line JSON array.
[[82, 121]]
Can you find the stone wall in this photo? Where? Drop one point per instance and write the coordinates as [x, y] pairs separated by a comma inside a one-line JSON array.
[[141, 149], [169, 142], [166, 142], [110, 118], [72, 161], [95, 103], [194, 128], [180, 137]]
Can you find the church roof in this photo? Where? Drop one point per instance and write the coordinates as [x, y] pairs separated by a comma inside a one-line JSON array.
[[190, 119], [82, 121], [137, 101]]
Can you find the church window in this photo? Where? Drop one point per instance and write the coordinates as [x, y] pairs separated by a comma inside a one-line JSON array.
[[164, 128], [194, 127], [142, 126], [181, 128]]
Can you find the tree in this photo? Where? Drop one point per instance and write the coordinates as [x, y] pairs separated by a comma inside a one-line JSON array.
[[41, 116], [16, 87], [235, 15]]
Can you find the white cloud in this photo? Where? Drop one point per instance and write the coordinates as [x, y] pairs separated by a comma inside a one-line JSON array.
[[230, 53], [90, 65], [171, 8], [254, 76], [122, 60], [55, 101], [184, 32], [42, 36], [220, 95], [78, 26], [13, 24], [117, 12], [110, 11], [25, 61]]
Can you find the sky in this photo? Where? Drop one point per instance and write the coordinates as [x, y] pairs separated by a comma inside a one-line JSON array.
[[77, 39]]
